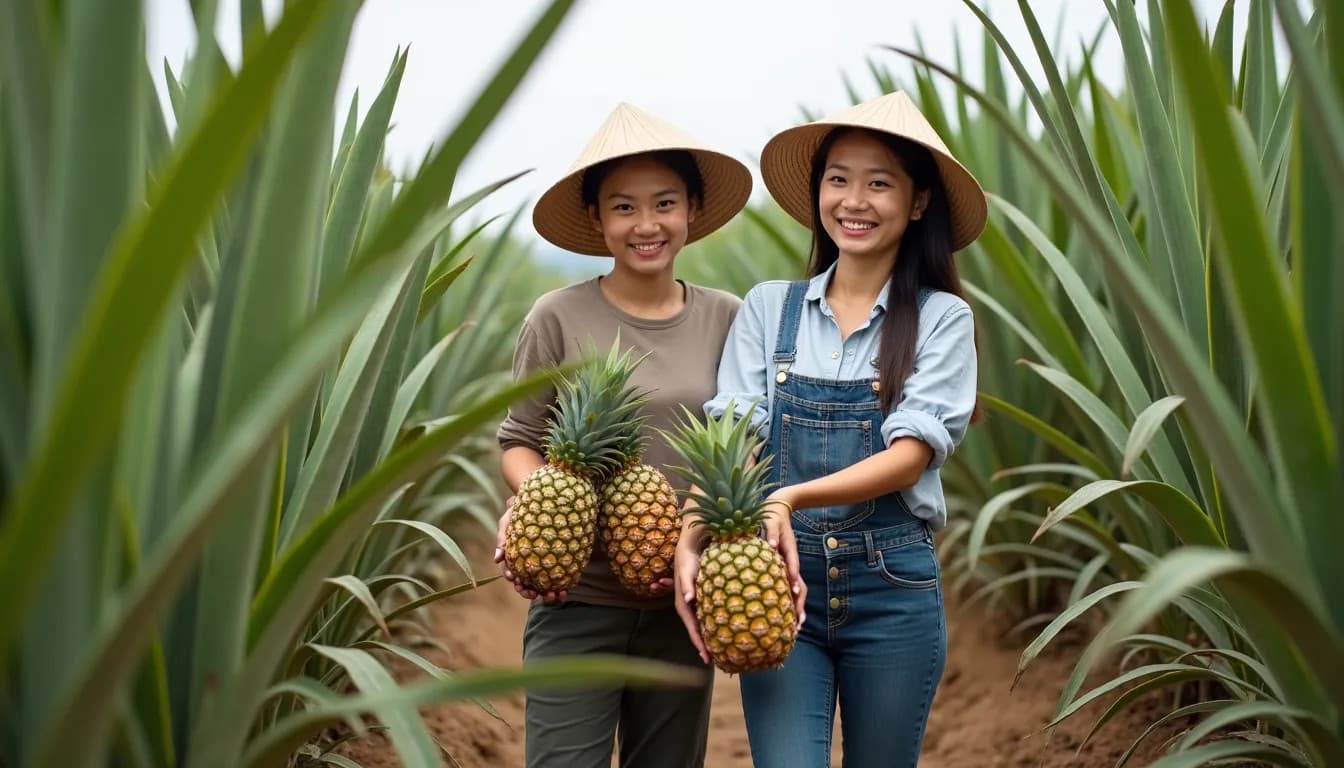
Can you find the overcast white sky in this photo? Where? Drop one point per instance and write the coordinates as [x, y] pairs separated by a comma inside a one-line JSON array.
[[731, 72]]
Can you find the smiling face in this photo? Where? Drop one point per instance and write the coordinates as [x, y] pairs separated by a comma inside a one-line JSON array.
[[643, 211], [865, 197]]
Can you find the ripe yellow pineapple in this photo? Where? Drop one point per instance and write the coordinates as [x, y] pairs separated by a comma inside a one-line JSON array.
[[549, 539], [640, 521], [743, 601]]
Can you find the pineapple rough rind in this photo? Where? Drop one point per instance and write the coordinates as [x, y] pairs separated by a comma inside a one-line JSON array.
[[549, 539], [640, 525], [744, 605]]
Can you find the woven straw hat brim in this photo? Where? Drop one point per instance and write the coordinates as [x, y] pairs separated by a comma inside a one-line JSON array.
[[561, 217], [786, 162]]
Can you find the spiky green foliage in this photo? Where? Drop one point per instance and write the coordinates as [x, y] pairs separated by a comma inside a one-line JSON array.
[[594, 415], [204, 341], [1157, 310], [728, 488], [1164, 259]]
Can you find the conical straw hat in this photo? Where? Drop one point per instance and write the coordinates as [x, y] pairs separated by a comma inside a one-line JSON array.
[[561, 217], [786, 162]]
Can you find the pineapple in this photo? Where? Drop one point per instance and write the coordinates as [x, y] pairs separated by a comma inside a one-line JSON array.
[[743, 601], [640, 521], [549, 539]]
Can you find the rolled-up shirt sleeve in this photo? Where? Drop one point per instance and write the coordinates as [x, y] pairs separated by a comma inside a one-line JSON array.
[[742, 378], [939, 395]]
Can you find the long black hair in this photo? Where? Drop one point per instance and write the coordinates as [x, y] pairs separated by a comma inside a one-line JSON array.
[[923, 260]]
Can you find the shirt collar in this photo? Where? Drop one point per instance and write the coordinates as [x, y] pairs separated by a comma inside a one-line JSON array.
[[816, 290]]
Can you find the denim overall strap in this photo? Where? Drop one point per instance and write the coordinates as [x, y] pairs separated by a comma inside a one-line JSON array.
[[786, 343]]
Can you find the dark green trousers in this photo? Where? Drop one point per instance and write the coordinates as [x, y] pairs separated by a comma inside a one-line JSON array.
[[655, 727]]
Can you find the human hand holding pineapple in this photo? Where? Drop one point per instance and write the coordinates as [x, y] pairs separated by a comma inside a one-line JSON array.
[[529, 594], [549, 533], [740, 598], [778, 532], [594, 484], [687, 568]]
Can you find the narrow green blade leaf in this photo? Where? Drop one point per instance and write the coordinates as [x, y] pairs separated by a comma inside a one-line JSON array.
[[444, 541], [352, 186], [1113, 351], [1289, 633], [405, 728], [436, 178], [74, 735], [436, 287], [1264, 711], [1145, 427], [1172, 209], [275, 746], [1304, 447], [410, 389], [27, 65], [1222, 750], [137, 282], [1178, 510], [1060, 441], [329, 456], [1240, 467], [277, 266], [360, 592], [97, 172], [285, 599], [1066, 618], [1001, 503]]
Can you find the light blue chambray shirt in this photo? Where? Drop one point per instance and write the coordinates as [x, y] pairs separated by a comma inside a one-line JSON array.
[[935, 404]]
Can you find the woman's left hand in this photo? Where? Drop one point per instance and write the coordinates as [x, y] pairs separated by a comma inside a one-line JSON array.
[[779, 534]]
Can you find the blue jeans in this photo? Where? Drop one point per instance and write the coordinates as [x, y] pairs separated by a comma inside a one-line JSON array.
[[874, 635]]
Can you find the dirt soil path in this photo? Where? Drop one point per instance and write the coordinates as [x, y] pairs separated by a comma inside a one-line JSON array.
[[976, 722]]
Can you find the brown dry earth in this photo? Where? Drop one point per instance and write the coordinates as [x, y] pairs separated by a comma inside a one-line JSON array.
[[977, 721]]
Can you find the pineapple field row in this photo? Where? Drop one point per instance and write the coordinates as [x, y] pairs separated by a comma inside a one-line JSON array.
[[247, 467]]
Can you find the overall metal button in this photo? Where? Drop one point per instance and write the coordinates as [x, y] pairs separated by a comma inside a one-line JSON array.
[[835, 603], [781, 377], [834, 573], [832, 543]]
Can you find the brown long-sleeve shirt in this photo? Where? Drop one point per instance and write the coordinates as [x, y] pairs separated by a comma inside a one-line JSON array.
[[679, 371]]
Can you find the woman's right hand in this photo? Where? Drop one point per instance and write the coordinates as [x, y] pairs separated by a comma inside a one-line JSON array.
[[549, 597], [685, 567], [779, 534]]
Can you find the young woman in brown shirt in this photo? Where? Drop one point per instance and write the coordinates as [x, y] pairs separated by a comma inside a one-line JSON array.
[[638, 193]]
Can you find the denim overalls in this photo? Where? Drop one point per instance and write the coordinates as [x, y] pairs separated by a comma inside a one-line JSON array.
[[874, 633]]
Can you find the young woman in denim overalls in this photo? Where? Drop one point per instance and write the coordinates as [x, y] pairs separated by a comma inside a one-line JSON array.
[[866, 379]]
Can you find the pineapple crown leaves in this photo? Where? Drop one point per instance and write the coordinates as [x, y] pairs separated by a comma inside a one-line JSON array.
[[620, 366], [595, 412], [728, 489]]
